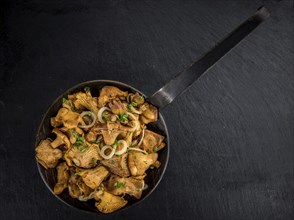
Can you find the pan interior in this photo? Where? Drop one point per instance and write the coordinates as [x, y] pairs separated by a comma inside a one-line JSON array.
[[49, 176]]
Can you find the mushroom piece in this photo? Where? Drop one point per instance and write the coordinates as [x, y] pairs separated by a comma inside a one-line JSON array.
[[85, 156], [137, 98], [76, 187], [46, 155], [151, 141], [69, 118], [149, 113], [117, 165], [108, 93], [60, 139], [139, 162], [86, 101], [108, 203], [120, 186], [62, 178], [94, 177], [54, 123], [69, 133], [117, 107], [112, 132]]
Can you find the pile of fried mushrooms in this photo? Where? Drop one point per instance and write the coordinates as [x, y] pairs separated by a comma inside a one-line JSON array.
[[102, 147]]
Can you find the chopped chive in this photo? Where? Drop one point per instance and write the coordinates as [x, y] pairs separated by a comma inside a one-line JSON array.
[[97, 141], [83, 148], [155, 149], [95, 162], [64, 100], [115, 143], [134, 103], [119, 185], [104, 117], [77, 174]]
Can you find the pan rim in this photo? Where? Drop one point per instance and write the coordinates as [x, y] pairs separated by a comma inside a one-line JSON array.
[[43, 116]]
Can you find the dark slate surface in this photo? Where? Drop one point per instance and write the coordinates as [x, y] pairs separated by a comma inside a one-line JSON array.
[[232, 136]]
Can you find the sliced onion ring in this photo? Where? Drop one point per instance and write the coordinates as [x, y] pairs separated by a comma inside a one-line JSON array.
[[135, 127], [93, 119], [104, 148], [132, 116], [137, 149], [101, 110], [141, 140], [124, 149]]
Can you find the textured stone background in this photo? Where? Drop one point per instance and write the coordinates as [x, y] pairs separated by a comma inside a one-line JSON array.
[[232, 132]]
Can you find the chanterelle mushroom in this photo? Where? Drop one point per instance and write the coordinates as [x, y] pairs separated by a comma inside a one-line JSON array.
[[108, 93], [86, 101], [108, 203], [94, 177], [120, 186], [152, 141], [60, 139], [139, 162], [117, 165], [46, 155], [149, 113], [69, 118], [85, 156], [62, 178], [117, 107]]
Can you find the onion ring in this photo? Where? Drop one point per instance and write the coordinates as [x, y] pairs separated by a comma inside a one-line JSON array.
[[93, 119]]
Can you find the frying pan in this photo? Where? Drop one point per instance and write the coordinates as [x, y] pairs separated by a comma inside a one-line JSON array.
[[160, 99]]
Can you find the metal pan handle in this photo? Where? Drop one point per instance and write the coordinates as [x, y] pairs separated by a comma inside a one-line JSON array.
[[184, 79]]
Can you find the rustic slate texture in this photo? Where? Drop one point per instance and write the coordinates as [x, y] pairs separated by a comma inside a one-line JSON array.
[[232, 132]]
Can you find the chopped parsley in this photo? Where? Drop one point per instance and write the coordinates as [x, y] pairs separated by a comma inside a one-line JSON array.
[[87, 89], [72, 107], [77, 174], [97, 141], [141, 98], [83, 148], [155, 149], [64, 100], [119, 185]]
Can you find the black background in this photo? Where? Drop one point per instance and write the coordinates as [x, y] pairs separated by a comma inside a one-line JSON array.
[[232, 132]]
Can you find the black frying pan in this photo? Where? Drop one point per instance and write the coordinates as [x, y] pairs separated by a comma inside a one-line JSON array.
[[161, 99]]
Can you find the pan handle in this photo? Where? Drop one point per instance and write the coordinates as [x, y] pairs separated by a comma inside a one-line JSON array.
[[184, 79]]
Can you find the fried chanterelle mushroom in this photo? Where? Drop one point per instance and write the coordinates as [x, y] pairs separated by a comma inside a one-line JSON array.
[[101, 147]]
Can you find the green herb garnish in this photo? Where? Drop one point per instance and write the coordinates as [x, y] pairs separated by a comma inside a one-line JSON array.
[[141, 97], [75, 134], [104, 117], [87, 89], [115, 143], [122, 117], [77, 174], [148, 151], [133, 103], [83, 148], [155, 149], [119, 185], [64, 100], [95, 162], [79, 139], [97, 141], [72, 107]]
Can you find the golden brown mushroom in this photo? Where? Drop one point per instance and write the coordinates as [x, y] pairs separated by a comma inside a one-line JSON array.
[[86, 101], [137, 98], [139, 162], [152, 141], [62, 178], [85, 156], [117, 107], [120, 186], [46, 155], [108, 203], [149, 113], [60, 139], [117, 165], [69, 118], [108, 93], [94, 177]]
